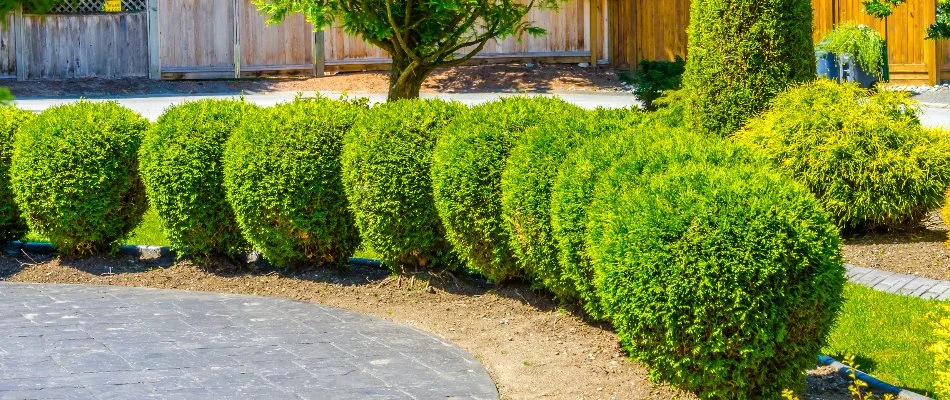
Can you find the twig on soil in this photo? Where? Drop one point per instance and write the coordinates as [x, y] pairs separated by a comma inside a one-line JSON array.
[[27, 256]]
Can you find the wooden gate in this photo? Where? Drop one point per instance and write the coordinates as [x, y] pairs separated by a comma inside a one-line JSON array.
[[647, 30], [227, 39]]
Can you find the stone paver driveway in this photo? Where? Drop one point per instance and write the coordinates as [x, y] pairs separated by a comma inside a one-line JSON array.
[[89, 342]]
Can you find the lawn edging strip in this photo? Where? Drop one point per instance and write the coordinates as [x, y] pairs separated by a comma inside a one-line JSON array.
[[144, 251], [874, 384]]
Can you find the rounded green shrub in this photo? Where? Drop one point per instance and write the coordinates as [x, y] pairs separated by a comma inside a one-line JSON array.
[[724, 281], [11, 226], [741, 54], [637, 152], [387, 162], [467, 164], [863, 155], [526, 188], [182, 169], [75, 175], [283, 178]]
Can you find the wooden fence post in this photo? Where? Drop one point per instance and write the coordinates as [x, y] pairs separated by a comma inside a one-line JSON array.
[[594, 26], [154, 42], [19, 44], [319, 54], [237, 38]]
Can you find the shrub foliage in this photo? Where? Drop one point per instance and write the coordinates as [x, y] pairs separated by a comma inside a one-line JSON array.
[[182, 169], [741, 54], [283, 178], [468, 161], [724, 281], [526, 184], [864, 156], [75, 175], [11, 226], [387, 162]]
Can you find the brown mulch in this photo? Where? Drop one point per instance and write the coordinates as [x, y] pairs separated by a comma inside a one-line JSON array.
[[531, 346], [919, 251], [475, 78]]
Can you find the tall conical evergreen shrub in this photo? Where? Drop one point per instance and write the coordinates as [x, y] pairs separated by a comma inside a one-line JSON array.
[[741, 54]]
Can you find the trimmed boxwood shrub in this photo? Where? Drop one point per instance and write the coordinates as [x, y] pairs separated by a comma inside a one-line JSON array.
[[182, 169], [387, 161], [724, 281], [11, 226], [526, 186], [466, 177], [283, 178], [75, 176], [741, 54], [864, 155], [646, 149]]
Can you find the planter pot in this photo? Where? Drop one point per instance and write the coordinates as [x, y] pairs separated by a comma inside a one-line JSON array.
[[827, 65], [853, 73]]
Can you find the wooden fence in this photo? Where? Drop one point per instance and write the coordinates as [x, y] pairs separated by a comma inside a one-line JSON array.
[[182, 39], [658, 32]]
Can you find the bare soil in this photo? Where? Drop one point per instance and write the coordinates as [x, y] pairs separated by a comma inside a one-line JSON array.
[[919, 251], [476, 78], [532, 347]]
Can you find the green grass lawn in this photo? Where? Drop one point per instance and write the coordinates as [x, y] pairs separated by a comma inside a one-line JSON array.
[[149, 232], [889, 335]]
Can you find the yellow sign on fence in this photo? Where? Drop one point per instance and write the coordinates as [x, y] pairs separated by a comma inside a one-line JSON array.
[[113, 6]]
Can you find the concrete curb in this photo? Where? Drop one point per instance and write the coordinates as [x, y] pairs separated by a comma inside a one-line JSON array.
[[15, 247], [935, 105], [873, 383]]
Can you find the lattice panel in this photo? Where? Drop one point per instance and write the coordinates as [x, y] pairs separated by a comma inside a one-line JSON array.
[[96, 6]]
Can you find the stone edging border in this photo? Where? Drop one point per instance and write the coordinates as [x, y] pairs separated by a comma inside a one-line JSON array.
[[873, 383], [15, 247]]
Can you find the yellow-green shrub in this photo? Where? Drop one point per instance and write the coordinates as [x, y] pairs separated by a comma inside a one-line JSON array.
[[467, 165], [283, 178], [387, 162], [863, 154], [75, 175], [183, 171], [11, 226], [723, 280]]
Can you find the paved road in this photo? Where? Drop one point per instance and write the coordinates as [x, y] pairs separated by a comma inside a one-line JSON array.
[[153, 106], [90, 342]]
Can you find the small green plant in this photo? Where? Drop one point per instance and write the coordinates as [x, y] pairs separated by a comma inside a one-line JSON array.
[[5, 96], [75, 175], [863, 44], [11, 226], [466, 177], [724, 281], [653, 78], [283, 178], [182, 169], [863, 155], [387, 162], [941, 351]]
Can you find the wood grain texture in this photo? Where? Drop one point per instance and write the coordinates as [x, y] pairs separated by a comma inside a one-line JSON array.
[[83, 46], [289, 43], [8, 47], [196, 33]]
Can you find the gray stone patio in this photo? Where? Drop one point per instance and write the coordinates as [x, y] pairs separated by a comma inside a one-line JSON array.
[[90, 342]]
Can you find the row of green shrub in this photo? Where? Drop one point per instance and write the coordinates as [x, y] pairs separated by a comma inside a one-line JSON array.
[[720, 275]]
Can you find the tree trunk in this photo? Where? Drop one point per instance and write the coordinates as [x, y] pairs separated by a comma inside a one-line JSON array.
[[405, 83]]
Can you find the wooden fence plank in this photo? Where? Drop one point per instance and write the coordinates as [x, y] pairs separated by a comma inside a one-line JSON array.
[[8, 58]]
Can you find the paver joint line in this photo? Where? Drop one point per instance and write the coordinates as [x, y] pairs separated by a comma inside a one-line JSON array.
[[891, 282], [113, 342]]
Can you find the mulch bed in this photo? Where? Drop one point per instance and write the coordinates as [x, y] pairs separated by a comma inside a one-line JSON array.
[[919, 250]]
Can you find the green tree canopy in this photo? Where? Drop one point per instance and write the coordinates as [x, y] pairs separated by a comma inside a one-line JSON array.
[[419, 35], [940, 29]]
